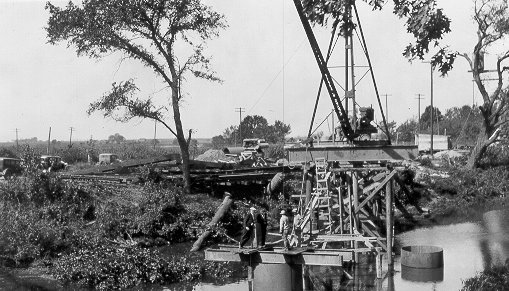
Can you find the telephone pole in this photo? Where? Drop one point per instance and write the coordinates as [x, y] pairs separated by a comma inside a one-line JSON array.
[[70, 136], [419, 98], [386, 107], [240, 110], [49, 141], [17, 142]]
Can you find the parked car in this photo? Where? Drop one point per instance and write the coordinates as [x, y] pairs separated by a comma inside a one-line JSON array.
[[52, 163], [9, 167], [106, 159]]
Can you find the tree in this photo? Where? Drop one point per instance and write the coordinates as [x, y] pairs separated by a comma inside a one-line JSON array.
[[147, 31], [492, 19], [218, 142], [407, 131], [424, 21], [426, 119], [116, 138], [463, 124], [256, 126]]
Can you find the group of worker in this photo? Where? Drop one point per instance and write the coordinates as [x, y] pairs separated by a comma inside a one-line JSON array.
[[256, 223]]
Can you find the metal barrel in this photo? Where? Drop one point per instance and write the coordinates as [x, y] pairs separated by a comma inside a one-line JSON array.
[[423, 257], [281, 277]]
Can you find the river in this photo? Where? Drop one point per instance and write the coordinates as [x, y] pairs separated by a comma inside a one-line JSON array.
[[468, 249]]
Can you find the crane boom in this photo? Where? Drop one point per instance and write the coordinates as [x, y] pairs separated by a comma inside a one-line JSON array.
[[327, 78]]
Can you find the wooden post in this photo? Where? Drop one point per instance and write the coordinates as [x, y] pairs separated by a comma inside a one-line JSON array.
[[305, 280], [221, 211], [388, 220], [340, 202], [355, 192], [250, 277], [378, 264], [350, 216]]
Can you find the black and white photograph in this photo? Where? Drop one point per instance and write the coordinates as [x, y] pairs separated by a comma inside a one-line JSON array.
[[257, 145]]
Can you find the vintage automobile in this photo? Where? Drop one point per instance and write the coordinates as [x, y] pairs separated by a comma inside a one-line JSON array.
[[9, 167], [52, 163], [106, 159]]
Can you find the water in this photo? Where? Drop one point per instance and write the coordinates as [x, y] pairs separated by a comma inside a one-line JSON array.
[[468, 249]]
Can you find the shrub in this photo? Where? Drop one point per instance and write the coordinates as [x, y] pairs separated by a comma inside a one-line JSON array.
[[493, 278], [105, 267]]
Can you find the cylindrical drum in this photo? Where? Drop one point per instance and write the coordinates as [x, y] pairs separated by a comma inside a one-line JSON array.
[[422, 257], [281, 277]]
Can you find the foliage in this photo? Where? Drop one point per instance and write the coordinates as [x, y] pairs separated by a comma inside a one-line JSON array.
[[105, 267], [275, 151], [426, 118], [492, 20], [116, 138], [463, 124], [492, 278], [255, 126], [424, 21], [407, 131], [465, 191], [147, 31]]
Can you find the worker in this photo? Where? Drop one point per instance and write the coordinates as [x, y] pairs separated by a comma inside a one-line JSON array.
[[297, 230], [261, 227], [249, 224], [284, 228]]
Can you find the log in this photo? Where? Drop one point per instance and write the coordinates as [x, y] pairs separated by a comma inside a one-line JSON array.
[[221, 211], [275, 184]]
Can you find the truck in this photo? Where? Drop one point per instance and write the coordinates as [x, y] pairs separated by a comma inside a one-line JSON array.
[[9, 167], [440, 142]]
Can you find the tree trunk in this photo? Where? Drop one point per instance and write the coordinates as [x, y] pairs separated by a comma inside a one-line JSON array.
[[481, 145], [184, 146], [221, 211]]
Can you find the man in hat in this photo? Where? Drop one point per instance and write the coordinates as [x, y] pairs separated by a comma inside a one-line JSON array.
[[261, 227], [297, 230], [249, 223], [284, 228]]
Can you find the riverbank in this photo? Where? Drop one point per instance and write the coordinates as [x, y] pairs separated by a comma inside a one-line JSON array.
[[114, 236]]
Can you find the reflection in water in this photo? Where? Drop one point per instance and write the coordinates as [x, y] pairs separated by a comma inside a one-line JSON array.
[[421, 274], [495, 245]]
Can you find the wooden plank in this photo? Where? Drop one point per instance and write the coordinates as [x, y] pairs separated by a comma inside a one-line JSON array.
[[316, 258], [377, 189]]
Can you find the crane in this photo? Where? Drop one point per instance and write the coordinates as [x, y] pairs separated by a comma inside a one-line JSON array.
[[363, 125]]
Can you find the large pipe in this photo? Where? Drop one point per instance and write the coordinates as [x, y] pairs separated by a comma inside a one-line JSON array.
[[221, 211]]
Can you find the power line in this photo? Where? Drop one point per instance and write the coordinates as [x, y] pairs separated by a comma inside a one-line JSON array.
[[71, 129]]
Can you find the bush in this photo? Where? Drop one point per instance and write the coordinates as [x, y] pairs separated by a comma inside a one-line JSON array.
[[104, 267], [493, 278]]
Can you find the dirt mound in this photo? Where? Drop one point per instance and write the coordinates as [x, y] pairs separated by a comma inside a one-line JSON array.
[[214, 156]]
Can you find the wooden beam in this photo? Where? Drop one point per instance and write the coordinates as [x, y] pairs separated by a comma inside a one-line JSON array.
[[318, 258], [376, 190]]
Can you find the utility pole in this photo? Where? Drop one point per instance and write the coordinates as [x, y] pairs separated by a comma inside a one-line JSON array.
[[70, 136], [17, 143], [49, 141], [386, 107], [240, 110], [432, 117], [419, 98]]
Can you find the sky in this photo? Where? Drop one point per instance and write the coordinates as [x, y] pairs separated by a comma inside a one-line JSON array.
[[263, 58]]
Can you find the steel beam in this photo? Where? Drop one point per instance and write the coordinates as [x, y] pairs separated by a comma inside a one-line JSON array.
[[319, 258], [352, 153]]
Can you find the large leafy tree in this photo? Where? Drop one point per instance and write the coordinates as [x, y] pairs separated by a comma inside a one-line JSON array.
[[424, 21], [256, 126], [148, 31], [463, 124], [492, 19]]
